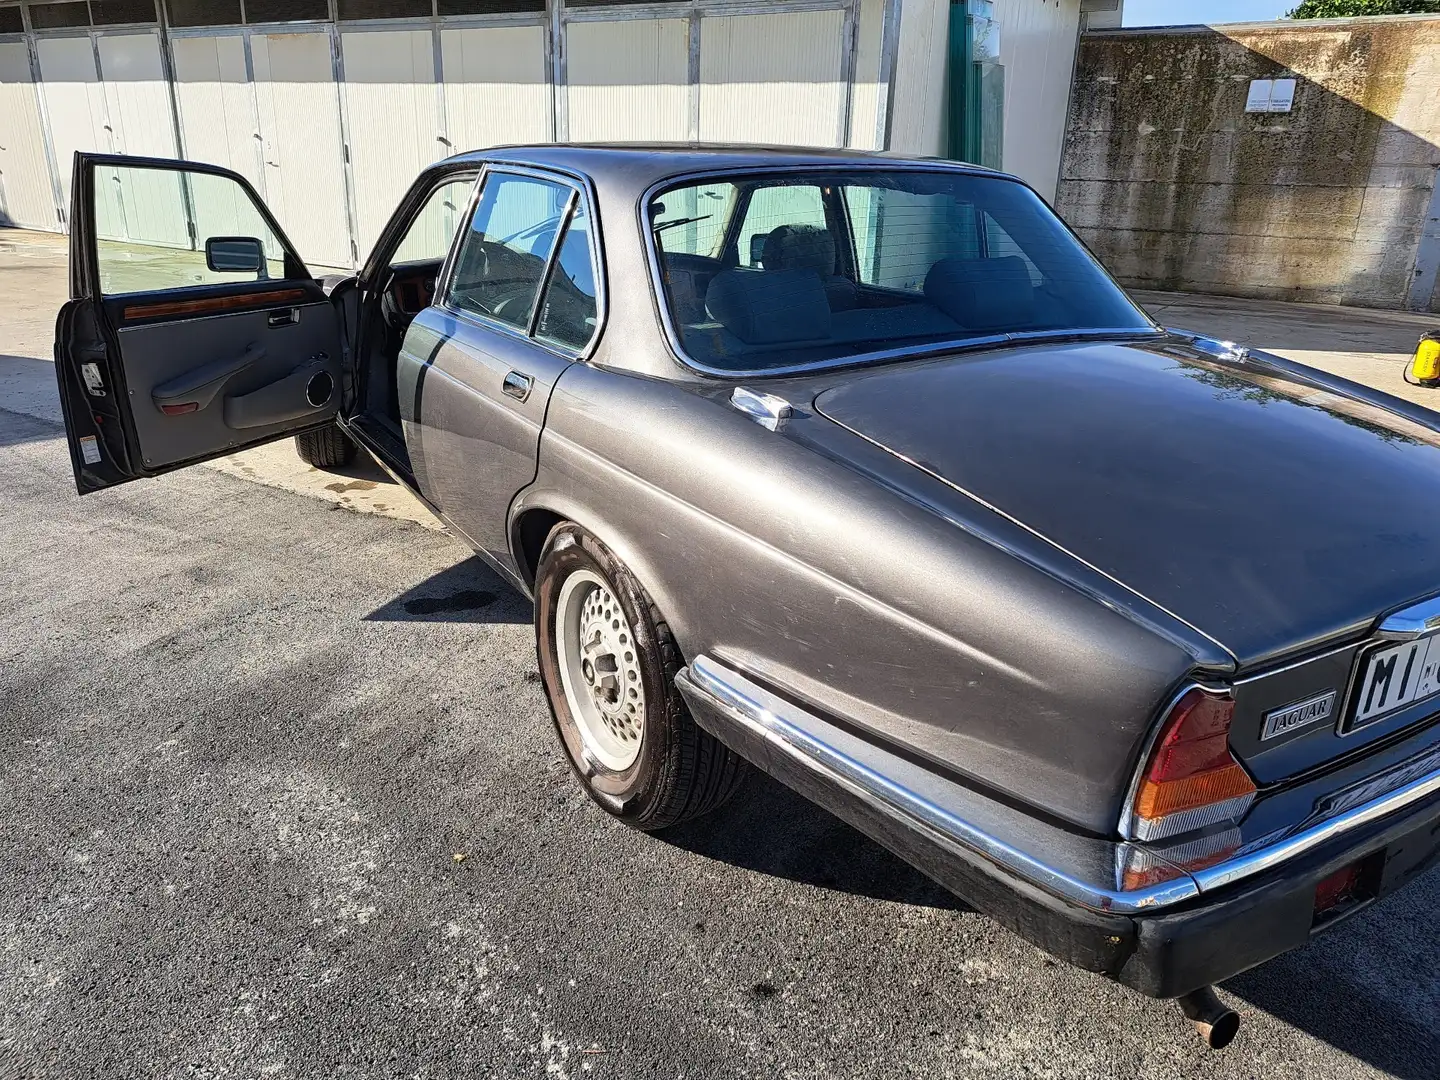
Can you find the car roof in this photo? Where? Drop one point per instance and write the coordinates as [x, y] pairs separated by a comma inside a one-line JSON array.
[[661, 160]]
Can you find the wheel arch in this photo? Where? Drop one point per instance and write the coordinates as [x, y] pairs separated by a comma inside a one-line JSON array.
[[536, 513]]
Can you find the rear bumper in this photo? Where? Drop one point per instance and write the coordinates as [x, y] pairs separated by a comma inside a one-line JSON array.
[[1062, 891]]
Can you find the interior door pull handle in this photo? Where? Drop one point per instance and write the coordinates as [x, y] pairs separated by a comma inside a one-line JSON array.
[[517, 385], [288, 317]]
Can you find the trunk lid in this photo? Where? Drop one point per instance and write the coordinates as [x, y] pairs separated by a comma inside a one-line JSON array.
[[1267, 514]]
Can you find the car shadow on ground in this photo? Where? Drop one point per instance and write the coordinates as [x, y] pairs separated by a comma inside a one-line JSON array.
[[17, 428], [769, 829], [1369, 987], [468, 592]]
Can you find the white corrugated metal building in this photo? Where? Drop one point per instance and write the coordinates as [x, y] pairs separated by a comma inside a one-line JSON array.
[[330, 107]]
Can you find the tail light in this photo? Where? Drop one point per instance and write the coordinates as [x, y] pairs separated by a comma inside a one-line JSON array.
[[1191, 779]]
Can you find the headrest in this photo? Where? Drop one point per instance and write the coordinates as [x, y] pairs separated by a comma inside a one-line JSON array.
[[769, 307], [983, 294], [800, 247]]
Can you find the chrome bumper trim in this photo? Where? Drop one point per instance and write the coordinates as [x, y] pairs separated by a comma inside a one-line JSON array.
[[783, 726], [749, 705], [1288, 847]]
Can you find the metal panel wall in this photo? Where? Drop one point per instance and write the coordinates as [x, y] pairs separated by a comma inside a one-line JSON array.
[[628, 79], [74, 101], [137, 108], [918, 104], [392, 117], [1037, 48], [27, 197], [331, 121], [772, 78], [497, 89], [218, 124], [866, 89], [299, 109]]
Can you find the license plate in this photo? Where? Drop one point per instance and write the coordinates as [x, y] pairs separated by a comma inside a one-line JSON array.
[[1394, 677]]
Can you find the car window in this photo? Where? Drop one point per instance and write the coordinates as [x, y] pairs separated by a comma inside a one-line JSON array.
[[152, 227], [940, 256], [900, 235], [433, 228], [772, 207], [502, 256], [568, 312], [692, 220], [999, 244]]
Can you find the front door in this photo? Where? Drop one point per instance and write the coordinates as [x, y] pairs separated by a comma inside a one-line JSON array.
[[193, 329], [518, 304]]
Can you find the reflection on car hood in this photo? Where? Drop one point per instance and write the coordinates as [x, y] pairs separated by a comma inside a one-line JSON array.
[[1265, 512]]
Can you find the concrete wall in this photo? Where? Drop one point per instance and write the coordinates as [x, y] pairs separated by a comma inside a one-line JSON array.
[[1175, 186]]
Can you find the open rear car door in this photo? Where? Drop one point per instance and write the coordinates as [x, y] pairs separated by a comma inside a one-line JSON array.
[[193, 329]]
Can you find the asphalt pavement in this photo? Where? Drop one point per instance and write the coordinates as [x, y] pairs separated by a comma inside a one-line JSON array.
[[281, 799]]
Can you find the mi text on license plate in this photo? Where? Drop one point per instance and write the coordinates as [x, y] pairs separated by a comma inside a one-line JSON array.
[[1394, 677]]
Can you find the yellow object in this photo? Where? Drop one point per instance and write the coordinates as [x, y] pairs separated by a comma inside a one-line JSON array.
[[1426, 364]]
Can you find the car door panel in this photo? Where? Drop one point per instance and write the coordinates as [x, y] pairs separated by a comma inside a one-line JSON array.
[[157, 378], [261, 377], [478, 443], [517, 305]]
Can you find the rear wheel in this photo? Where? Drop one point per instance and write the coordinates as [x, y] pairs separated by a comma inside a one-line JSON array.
[[608, 664], [327, 448]]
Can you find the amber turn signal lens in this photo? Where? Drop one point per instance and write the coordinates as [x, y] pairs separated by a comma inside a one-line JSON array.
[[1192, 779], [1424, 367]]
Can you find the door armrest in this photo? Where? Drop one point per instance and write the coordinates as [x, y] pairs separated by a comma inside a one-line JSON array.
[[195, 389]]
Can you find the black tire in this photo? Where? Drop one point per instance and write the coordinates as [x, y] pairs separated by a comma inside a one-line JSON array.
[[681, 771], [327, 448]]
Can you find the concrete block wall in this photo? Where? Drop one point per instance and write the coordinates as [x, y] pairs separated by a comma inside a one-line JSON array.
[[1175, 186]]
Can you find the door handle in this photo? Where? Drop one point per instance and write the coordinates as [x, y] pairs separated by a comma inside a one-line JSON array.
[[287, 317], [517, 385]]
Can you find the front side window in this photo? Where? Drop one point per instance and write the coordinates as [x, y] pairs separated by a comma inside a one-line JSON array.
[[843, 264], [160, 229], [431, 230], [502, 257]]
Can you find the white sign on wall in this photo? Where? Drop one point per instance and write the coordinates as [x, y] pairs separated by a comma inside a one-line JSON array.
[[1270, 96]]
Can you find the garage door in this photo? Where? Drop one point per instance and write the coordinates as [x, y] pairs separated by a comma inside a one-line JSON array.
[[137, 111], [628, 80], [299, 111], [26, 197], [74, 101], [217, 105], [772, 78], [495, 86], [393, 115]]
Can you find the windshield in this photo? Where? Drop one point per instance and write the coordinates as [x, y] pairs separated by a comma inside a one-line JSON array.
[[790, 269]]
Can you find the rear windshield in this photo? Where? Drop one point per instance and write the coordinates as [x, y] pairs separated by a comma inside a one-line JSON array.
[[790, 269]]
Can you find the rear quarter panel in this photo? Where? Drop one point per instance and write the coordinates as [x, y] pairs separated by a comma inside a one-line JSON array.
[[914, 615]]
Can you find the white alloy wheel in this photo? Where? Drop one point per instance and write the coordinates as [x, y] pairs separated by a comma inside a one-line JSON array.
[[599, 670]]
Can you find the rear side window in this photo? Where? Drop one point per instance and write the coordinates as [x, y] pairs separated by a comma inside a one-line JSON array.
[[568, 312], [528, 260], [502, 258]]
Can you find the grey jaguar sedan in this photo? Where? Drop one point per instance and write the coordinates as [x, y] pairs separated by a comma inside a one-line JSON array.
[[863, 471]]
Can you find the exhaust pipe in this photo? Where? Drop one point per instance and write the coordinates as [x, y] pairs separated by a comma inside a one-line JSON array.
[[1216, 1023]]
